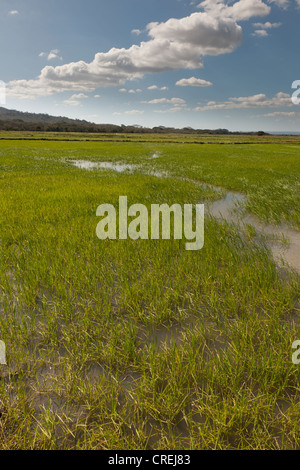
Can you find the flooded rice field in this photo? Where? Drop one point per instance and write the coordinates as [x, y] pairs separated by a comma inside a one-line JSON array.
[[136, 345], [283, 241]]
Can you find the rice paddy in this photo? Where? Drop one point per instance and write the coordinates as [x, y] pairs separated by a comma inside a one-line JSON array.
[[140, 344]]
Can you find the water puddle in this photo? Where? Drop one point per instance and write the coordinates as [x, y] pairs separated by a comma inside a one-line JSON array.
[[225, 208], [89, 165], [288, 251], [119, 167]]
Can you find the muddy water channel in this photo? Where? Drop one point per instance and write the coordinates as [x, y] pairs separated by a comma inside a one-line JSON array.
[[283, 241]]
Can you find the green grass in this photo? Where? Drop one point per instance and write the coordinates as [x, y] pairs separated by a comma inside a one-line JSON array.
[[141, 344], [148, 137]]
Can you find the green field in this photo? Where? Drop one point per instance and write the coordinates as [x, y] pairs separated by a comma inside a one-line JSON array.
[[123, 344]]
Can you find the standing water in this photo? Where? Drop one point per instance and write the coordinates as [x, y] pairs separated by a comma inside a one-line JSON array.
[[289, 253], [227, 209]]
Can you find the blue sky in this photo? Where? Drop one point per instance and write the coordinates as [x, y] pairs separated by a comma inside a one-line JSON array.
[[208, 64]]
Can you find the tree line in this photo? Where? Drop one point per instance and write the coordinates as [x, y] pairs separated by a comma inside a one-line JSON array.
[[85, 127]]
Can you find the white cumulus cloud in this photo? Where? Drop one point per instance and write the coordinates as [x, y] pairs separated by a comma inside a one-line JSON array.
[[266, 25], [260, 33], [280, 3], [174, 101], [79, 96], [155, 87], [239, 11], [53, 54], [192, 81], [172, 45], [263, 27], [255, 101], [74, 100]]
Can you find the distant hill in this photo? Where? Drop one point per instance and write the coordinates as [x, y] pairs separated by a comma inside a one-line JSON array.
[[12, 120], [13, 115]]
